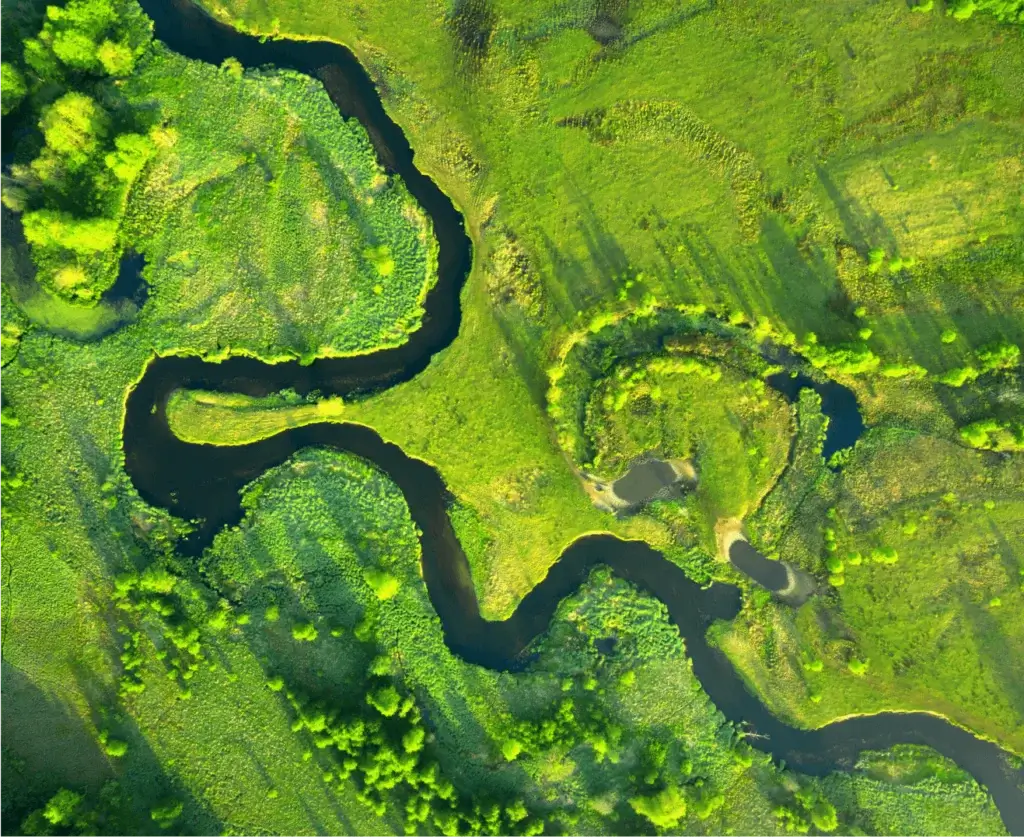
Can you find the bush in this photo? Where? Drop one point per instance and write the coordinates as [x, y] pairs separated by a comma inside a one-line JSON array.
[[884, 555], [304, 631], [167, 813], [664, 809], [1007, 11], [385, 700], [62, 806], [116, 748]]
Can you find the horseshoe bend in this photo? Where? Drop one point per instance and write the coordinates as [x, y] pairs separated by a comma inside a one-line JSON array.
[[669, 484]]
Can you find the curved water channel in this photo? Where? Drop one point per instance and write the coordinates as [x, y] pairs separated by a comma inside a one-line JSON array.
[[203, 482]]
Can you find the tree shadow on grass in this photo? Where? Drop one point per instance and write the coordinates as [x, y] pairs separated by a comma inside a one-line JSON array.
[[864, 229], [1000, 657], [140, 772], [46, 746]]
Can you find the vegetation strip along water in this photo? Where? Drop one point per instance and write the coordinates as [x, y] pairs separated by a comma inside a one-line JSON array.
[[202, 481]]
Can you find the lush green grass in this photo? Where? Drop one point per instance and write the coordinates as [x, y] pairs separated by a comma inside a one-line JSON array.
[[224, 418], [818, 101], [72, 520], [938, 627], [755, 161], [743, 156], [304, 275]]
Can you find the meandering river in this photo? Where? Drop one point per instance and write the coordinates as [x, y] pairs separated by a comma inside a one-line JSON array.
[[202, 481]]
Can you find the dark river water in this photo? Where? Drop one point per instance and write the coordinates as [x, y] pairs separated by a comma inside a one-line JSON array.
[[203, 481]]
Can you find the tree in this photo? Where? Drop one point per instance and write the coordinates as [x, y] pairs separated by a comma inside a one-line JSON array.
[[823, 815], [85, 236], [664, 809], [511, 749], [12, 87], [132, 153], [1001, 355], [74, 126], [385, 700], [304, 632], [62, 806], [117, 58]]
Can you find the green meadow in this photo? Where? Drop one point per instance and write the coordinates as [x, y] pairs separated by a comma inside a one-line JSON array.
[[658, 194]]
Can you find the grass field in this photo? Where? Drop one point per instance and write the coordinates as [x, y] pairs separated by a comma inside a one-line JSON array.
[[219, 418], [840, 177], [842, 142]]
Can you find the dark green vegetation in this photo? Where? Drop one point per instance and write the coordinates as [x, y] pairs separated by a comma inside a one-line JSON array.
[[842, 179]]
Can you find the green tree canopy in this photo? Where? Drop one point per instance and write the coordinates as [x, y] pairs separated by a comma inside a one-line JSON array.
[[12, 87], [664, 809], [47, 228], [74, 126]]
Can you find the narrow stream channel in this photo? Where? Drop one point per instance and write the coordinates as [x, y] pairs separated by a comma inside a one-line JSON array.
[[202, 481]]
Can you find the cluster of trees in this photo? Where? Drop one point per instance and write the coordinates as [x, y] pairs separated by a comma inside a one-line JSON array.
[[573, 722], [1007, 11], [992, 434], [999, 356], [108, 812], [151, 593], [71, 179], [807, 808], [848, 359], [381, 747]]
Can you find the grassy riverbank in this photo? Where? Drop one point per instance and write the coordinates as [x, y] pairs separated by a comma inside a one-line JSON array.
[[936, 626], [248, 248], [854, 245], [843, 173], [224, 418]]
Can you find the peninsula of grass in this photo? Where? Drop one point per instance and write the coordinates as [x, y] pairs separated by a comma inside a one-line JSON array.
[[224, 418]]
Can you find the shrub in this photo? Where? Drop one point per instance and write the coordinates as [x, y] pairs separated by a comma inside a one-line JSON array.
[[84, 236], [664, 809], [166, 813], [383, 584], [958, 377], [858, 667], [304, 631], [62, 806]]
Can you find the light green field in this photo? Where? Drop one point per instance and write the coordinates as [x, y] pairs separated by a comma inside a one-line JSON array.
[[223, 418]]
